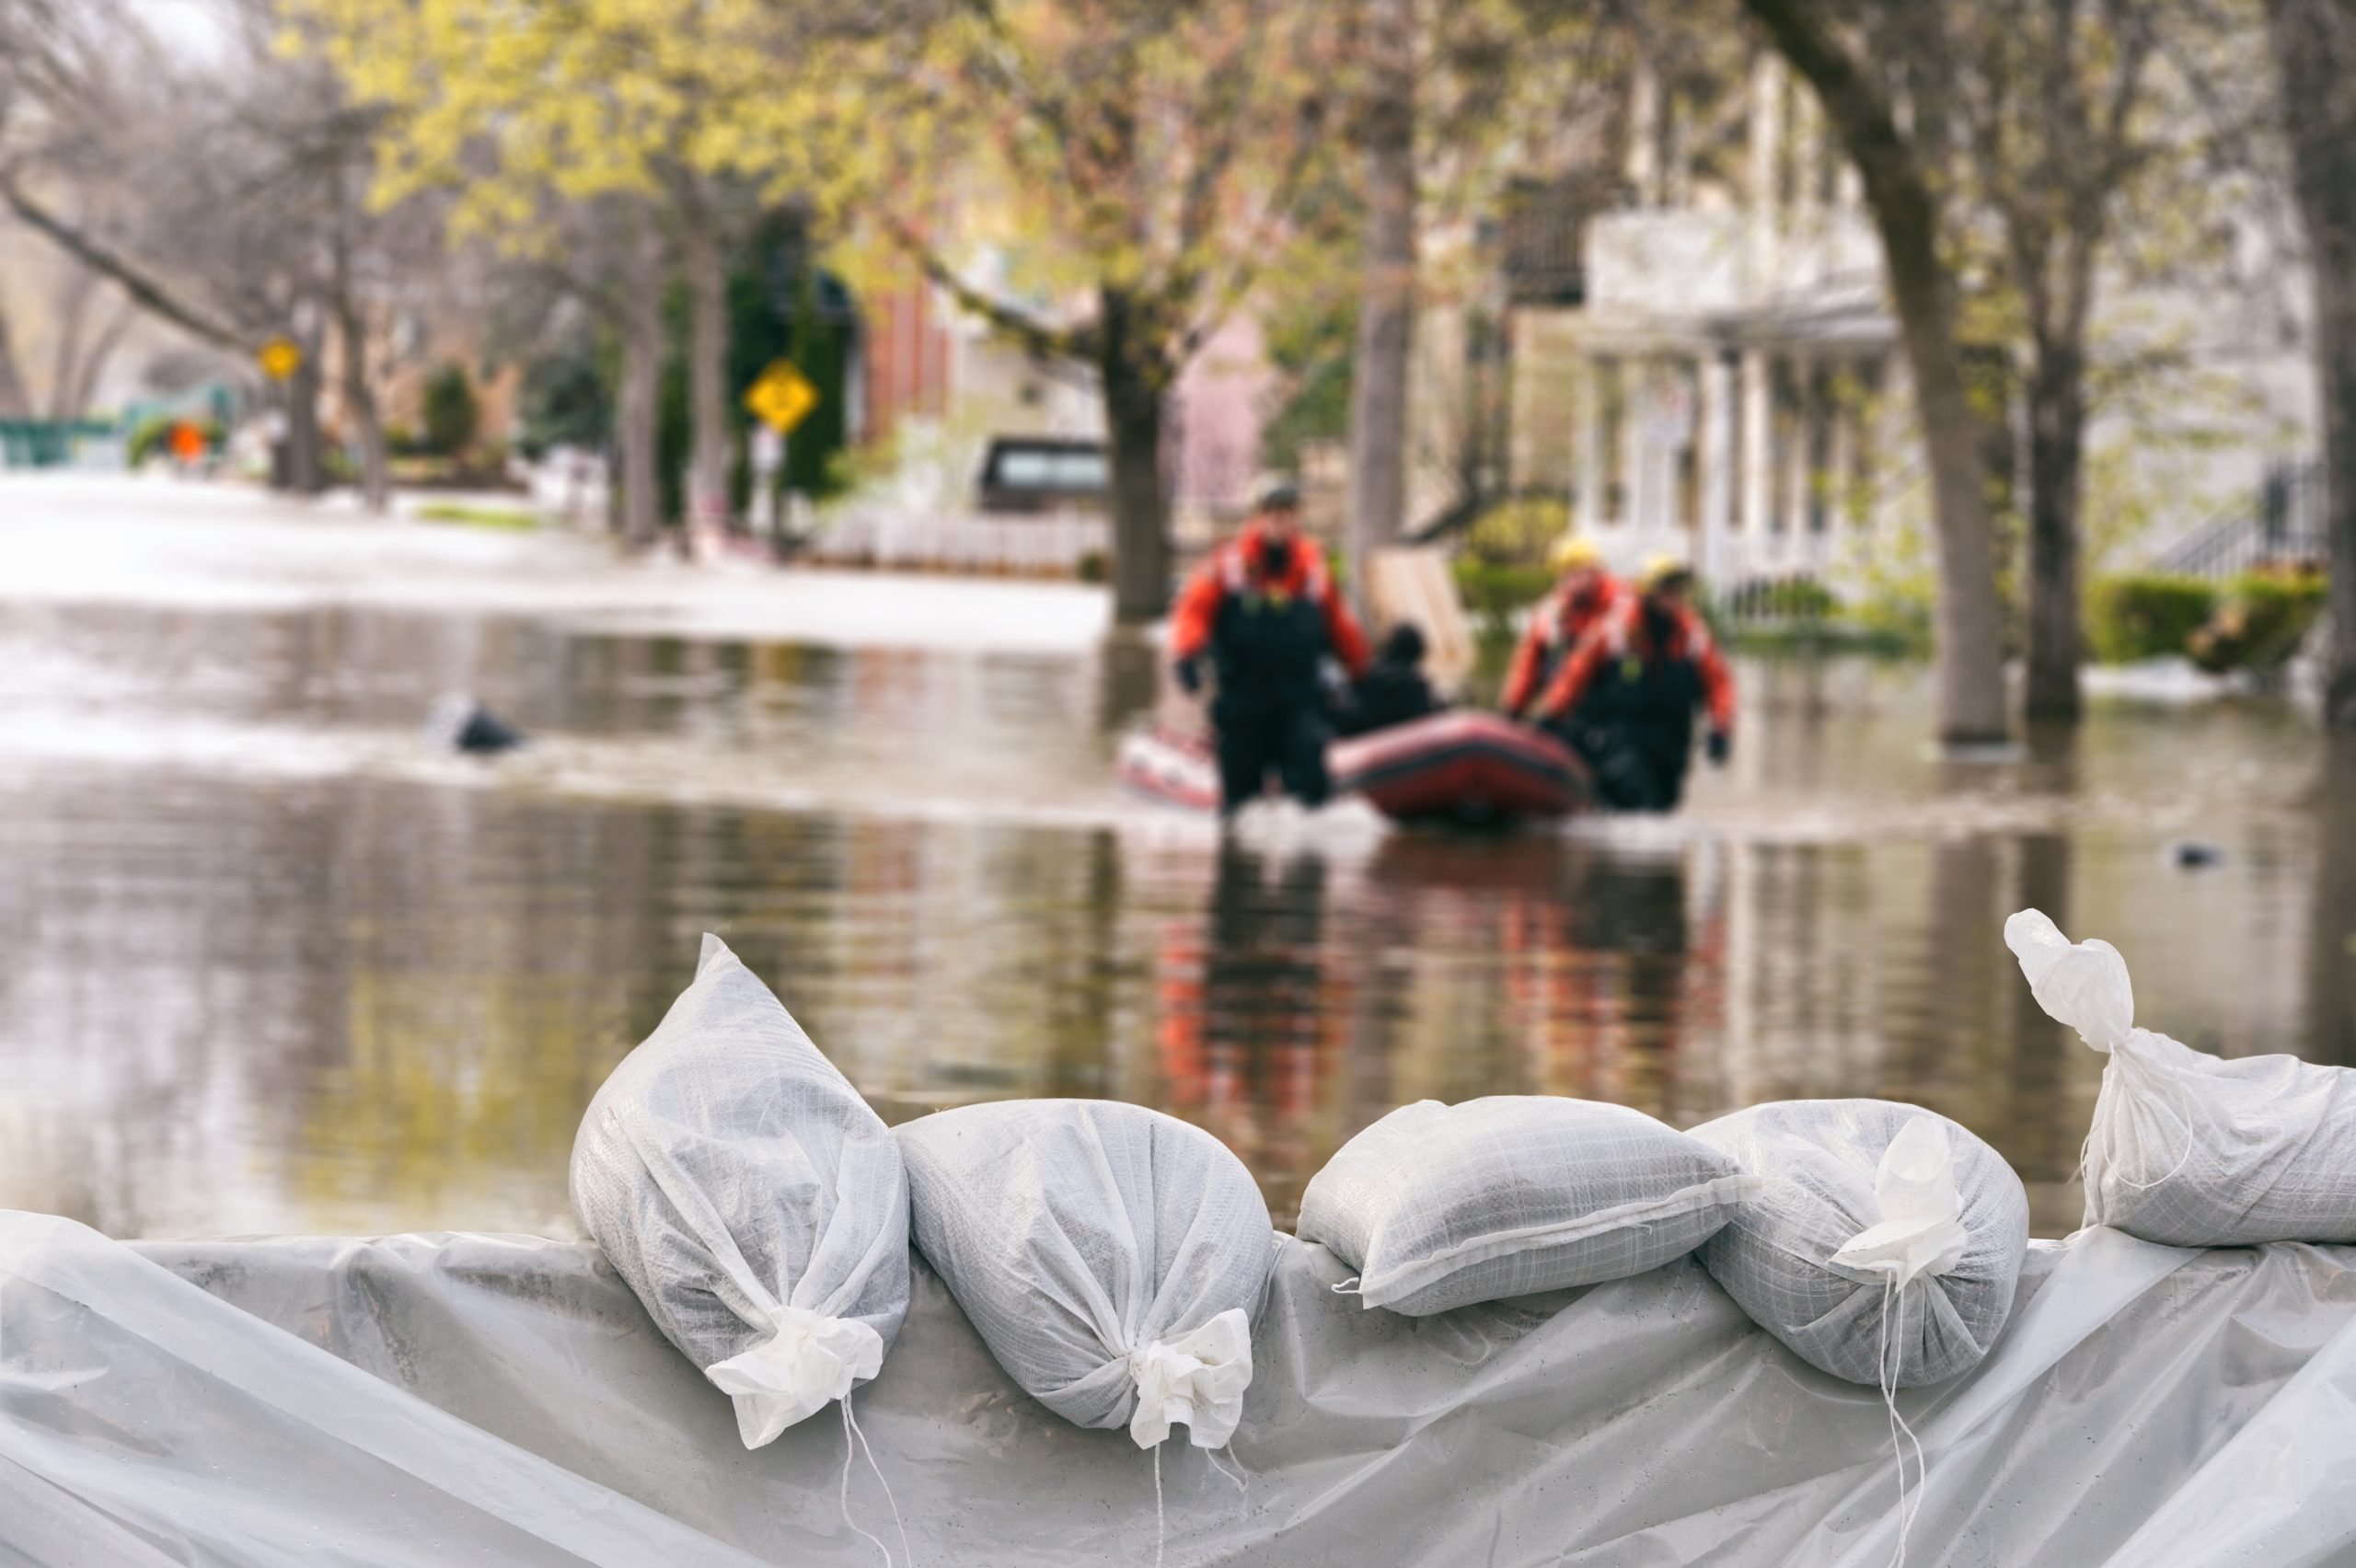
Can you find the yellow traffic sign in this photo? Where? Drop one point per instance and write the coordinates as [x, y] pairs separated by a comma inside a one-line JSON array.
[[782, 397], [279, 358]]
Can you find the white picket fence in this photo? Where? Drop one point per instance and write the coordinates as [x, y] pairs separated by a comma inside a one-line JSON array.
[[1045, 545]]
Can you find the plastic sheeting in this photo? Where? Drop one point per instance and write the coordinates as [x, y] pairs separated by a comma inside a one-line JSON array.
[[504, 1400]]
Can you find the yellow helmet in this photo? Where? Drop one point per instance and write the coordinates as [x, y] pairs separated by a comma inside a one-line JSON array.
[[1659, 570], [1574, 552]]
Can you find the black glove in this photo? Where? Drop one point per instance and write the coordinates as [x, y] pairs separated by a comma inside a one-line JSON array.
[[1721, 745], [1189, 675]]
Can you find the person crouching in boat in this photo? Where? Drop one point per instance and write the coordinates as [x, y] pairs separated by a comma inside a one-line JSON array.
[[1584, 595], [1393, 691], [1265, 614], [1626, 697]]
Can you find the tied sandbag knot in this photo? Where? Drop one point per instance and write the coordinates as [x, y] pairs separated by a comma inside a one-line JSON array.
[[810, 1361], [1921, 1230], [2084, 984], [1199, 1377]]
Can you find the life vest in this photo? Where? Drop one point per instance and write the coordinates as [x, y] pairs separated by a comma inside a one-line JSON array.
[[1644, 684], [1269, 638]]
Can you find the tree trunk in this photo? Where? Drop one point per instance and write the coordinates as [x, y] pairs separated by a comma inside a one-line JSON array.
[[73, 323], [2314, 50], [1969, 624], [1134, 385], [2057, 428], [637, 411], [306, 471], [1387, 294], [14, 402], [84, 388], [360, 402], [707, 270]]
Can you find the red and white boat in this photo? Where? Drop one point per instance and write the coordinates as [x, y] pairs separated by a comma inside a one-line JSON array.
[[1468, 767]]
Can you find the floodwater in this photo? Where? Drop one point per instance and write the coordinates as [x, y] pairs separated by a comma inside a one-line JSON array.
[[267, 963]]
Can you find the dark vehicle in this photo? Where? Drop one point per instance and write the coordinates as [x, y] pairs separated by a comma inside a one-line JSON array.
[[1032, 474]]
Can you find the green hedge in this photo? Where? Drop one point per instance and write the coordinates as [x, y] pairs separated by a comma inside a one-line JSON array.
[[1493, 593], [2262, 620], [2146, 614]]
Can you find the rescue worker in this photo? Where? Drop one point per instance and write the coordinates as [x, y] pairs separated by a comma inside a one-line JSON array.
[[1584, 595], [1394, 691], [1265, 614], [1626, 697]]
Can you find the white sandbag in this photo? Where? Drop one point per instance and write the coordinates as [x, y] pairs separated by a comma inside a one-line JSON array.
[[2188, 1148], [1442, 1206], [751, 1199], [1112, 1258], [1884, 1243]]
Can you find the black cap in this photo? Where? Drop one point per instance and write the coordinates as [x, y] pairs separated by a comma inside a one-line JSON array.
[[1277, 495]]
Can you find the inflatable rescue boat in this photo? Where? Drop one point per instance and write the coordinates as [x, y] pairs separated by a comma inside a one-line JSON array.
[[1464, 767]]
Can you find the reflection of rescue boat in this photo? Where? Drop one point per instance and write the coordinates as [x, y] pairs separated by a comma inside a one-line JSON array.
[[1464, 767]]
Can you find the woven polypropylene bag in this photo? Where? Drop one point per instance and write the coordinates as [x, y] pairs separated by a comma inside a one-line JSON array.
[[1823, 1188], [2188, 1148], [1112, 1258], [1442, 1206], [752, 1199]]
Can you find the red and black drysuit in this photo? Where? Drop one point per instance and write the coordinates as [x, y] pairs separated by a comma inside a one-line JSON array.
[[1267, 616], [1626, 697], [1560, 620]]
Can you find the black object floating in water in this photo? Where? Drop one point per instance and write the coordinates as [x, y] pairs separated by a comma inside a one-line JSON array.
[[459, 723]]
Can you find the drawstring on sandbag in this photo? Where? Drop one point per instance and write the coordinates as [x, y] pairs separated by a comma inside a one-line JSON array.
[[1160, 1519], [851, 1431], [1919, 1235], [1885, 1365]]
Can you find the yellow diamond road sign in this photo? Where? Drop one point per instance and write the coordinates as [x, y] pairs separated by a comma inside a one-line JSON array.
[[279, 358], [783, 397]]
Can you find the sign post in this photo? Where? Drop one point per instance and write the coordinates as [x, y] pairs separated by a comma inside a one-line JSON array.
[[280, 358], [780, 398]]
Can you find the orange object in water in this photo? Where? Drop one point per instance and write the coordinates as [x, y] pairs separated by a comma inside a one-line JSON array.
[[188, 441]]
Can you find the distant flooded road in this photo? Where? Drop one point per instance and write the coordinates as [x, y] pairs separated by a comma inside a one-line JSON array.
[[268, 964]]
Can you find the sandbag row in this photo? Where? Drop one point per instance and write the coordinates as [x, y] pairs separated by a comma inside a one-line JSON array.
[[1114, 1258]]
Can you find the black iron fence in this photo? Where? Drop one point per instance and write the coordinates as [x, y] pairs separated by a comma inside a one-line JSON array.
[[2282, 526]]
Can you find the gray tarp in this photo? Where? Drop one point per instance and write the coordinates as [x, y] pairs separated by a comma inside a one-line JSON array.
[[490, 1399]]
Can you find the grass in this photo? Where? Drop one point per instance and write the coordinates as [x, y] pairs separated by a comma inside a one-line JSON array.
[[476, 516]]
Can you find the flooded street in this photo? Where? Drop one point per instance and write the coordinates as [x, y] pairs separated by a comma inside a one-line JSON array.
[[271, 964]]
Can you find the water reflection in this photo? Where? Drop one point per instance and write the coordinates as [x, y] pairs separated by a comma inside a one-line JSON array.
[[268, 970]]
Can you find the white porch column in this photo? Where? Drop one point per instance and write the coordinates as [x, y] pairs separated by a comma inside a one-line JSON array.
[[1716, 437], [1758, 449], [1589, 413], [1636, 479]]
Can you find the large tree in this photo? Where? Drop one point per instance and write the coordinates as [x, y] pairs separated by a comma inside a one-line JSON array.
[[2314, 52], [1858, 57], [546, 118], [1140, 165], [1386, 324], [2053, 96], [261, 236]]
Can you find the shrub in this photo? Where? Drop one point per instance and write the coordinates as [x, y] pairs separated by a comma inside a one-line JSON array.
[[153, 438], [1518, 533], [2146, 614], [1092, 567], [1493, 591], [2264, 617], [450, 411]]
